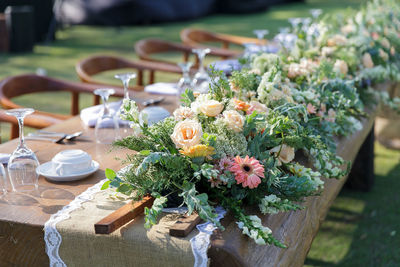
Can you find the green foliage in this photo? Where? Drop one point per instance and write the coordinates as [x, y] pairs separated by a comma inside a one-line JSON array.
[[187, 98], [198, 202], [152, 214]]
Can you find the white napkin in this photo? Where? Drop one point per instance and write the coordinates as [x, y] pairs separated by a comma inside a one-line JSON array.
[[155, 114], [4, 158], [162, 88], [89, 115]]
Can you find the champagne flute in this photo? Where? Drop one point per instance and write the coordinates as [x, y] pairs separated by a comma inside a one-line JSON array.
[[315, 12], [125, 78], [3, 181], [107, 128], [260, 36], [201, 79], [23, 162], [185, 81]]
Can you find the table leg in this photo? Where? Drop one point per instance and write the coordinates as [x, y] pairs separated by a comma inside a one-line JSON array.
[[361, 176]]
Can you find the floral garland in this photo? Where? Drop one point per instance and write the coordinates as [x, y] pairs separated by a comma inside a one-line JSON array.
[[237, 145]]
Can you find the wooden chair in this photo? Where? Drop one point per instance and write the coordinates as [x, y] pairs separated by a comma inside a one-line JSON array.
[[94, 65], [30, 83], [198, 38], [146, 48]]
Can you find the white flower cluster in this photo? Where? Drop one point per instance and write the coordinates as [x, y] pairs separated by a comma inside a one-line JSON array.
[[256, 223]]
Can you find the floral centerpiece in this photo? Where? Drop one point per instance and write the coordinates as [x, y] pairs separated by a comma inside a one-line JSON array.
[[244, 142]]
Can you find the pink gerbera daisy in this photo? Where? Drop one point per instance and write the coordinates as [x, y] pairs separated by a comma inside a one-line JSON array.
[[248, 171]]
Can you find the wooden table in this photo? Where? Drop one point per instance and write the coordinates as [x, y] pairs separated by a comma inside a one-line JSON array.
[[22, 216]]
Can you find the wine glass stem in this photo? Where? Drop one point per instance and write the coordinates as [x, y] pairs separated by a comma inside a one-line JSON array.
[[201, 67], [21, 131], [126, 88], [105, 107]]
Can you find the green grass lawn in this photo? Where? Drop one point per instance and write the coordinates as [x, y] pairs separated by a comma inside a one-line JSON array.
[[361, 229]]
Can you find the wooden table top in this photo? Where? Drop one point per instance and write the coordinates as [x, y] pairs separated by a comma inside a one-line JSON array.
[[36, 207]]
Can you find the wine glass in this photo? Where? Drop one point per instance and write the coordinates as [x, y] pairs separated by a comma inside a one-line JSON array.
[[201, 79], [107, 127], [184, 82], [23, 162], [260, 36], [125, 78], [3, 181], [315, 12], [294, 22]]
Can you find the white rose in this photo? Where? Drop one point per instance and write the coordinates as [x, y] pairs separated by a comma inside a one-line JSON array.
[[285, 155], [367, 61], [383, 55], [187, 133], [337, 40], [327, 51], [211, 108], [183, 113], [341, 66], [385, 43], [234, 120], [294, 70], [349, 28]]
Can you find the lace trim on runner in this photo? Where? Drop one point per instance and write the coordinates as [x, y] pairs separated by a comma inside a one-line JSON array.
[[201, 241], [52, 237]]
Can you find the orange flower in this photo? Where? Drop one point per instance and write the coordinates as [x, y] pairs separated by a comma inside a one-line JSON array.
[[241, 105]]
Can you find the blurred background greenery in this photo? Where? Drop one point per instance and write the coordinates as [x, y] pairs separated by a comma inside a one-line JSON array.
[[361, 229]]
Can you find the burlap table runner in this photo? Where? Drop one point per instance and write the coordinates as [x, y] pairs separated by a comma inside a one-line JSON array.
[[131, 245]]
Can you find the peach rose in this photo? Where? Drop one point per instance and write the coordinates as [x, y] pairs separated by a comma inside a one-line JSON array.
[[233, 120], [337, 40], [284, 153], [187, 133], [341, 66], [211, 108], [383, 54], [349, 28], [367, 61], [385, 43], [183, 113], [392, 51], [257, 106]]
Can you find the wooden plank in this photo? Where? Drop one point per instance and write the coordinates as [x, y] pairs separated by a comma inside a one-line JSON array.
[[122, 215], [184, 225]]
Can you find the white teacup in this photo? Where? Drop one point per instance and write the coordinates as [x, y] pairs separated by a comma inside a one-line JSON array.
[[70, 162]]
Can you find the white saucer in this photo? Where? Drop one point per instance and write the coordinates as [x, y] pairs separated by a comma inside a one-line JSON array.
[[47, 171]]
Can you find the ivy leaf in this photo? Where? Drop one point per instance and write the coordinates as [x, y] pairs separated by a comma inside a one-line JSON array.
[[105, 185], [152, 214], [110, 174]]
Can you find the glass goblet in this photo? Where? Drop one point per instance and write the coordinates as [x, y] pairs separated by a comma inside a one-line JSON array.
[[260, 36], [107, 127], [201, 79], [3, 181], [315, 12], [23, 162], [125, 78], [294, 22], [185, 81]]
